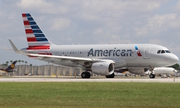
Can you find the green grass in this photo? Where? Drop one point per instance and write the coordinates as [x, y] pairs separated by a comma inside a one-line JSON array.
[[89, 94]]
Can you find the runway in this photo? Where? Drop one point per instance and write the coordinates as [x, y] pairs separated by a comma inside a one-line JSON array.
[[160, 80]]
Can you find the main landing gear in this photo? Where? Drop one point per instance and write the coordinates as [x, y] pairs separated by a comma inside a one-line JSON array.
[[88, 75], [85, 75], [110, 76], [151, 76]]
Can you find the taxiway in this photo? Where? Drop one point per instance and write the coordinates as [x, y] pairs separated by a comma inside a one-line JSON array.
[[161, 80]]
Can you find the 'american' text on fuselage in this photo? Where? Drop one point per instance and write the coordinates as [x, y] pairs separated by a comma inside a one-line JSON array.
[[114, 52]]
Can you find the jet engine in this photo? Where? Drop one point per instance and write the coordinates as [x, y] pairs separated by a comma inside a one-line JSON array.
[[103, 68]]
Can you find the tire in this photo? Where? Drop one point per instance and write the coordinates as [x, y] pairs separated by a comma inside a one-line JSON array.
[[110, 76], [151, 76], [85, 75]]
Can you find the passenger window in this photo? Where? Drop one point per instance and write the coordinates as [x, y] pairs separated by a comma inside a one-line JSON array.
[[162, 51], [158, 51]]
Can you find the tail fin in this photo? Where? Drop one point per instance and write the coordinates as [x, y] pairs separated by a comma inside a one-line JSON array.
[[11, 67], [35, 37]]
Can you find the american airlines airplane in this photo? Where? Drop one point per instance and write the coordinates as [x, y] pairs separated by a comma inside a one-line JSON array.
[[103, 59]]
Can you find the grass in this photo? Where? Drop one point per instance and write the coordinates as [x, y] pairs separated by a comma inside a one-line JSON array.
[[89, 94]]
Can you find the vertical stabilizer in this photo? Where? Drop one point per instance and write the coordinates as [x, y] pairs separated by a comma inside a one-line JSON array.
[[11, 67], [35, 37]]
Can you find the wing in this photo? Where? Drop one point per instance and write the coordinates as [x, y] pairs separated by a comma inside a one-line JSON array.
[[65, 59], [76, 60]]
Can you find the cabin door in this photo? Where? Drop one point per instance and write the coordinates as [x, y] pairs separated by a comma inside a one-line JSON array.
[[146, 52]]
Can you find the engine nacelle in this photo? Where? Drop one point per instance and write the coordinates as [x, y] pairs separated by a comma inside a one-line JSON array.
[[103, 68]]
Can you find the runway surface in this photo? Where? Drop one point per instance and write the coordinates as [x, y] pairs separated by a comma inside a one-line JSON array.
[[161, 80]]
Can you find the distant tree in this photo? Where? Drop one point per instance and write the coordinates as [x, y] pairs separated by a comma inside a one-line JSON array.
[[11, 61], [175, 66], [30, 64], [22, 61], [19, 61], [26, 62], [7, 62]]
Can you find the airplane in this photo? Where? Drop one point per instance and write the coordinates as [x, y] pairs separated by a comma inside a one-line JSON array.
[[163, 70], [103, 59], [9, 69], [157, 71]]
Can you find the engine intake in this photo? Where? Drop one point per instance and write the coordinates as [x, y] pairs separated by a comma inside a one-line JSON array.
[[103, 68]]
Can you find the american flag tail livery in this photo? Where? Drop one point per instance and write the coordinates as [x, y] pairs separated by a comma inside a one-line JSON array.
[[35, 37]]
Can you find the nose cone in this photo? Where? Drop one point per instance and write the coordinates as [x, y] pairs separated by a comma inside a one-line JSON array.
[[174, 59], [175, 71]]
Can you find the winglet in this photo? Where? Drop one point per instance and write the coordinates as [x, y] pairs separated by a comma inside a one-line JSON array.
[[14, 47]]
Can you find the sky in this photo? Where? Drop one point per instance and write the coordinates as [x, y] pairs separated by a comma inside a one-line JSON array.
[[91, 22]]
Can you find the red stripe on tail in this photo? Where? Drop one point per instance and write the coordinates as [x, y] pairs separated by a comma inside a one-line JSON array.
[[38, 47], [31, 39], [26, 23], [28, 31], [23, 15]]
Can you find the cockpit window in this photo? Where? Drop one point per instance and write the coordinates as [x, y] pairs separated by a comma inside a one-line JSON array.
[[162, 51], [167, 51], [159, 51]]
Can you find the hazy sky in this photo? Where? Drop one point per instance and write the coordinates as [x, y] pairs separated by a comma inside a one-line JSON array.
[[91, 22]]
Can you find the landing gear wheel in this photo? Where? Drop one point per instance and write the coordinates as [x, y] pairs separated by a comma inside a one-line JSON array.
[[85, 75], [110, 76], [151, 76]]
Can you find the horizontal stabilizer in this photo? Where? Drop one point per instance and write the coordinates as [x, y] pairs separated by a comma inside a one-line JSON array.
[[15, 48]]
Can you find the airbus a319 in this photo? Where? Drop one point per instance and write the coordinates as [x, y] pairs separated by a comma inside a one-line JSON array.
[[103, 59]]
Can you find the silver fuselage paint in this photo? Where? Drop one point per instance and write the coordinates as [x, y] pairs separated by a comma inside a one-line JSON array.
[[124, 55]]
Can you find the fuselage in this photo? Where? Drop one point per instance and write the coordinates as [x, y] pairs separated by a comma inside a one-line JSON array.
[[124, 55]]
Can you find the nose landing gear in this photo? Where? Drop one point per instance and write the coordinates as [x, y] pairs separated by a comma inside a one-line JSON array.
[[152, 74]]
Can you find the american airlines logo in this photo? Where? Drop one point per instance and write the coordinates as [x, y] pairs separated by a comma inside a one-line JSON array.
[[113, 52], [137, 51]]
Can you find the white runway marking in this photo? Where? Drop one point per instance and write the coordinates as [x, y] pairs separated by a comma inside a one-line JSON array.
[[162, 80]]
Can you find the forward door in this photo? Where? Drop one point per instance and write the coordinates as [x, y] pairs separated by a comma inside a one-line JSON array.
[[146, 52]]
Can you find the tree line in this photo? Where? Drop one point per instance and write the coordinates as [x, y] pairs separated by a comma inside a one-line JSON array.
[[18, 61]]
